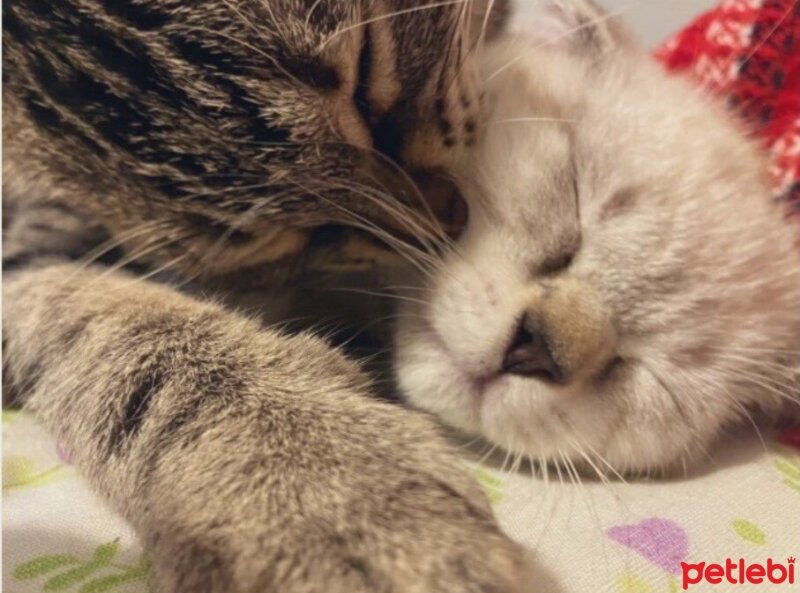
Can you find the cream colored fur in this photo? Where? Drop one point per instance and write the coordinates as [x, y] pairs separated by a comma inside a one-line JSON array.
[[682, 312]]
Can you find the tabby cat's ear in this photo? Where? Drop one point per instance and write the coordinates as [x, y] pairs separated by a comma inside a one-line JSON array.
[[580, 25]]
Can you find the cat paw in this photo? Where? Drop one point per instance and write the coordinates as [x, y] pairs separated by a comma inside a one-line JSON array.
[[423, 538], [400, 516]]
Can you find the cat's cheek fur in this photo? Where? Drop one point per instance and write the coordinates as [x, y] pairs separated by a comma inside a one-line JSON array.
[[431, 381], [660, 205]]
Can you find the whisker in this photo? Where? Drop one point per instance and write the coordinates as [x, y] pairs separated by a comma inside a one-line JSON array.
[[579, 28], [768, 36], [387, 16], [533, 119], [388, 295], [483, 459], [363, 223], [117, 241]]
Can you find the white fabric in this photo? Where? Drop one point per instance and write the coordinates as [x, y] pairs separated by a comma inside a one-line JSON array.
[[621, 538]]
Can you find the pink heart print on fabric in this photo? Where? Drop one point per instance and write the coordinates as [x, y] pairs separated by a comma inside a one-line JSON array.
[[64, 454], [661, 541]]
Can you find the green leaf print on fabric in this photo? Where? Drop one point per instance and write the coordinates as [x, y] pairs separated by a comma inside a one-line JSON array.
[[11, 415], [749, 532], [114, 581], [492, 486], [789, 467], [68, 579], [23, 472], [42, 565], [105, 553], [84, 572], [628, 582]]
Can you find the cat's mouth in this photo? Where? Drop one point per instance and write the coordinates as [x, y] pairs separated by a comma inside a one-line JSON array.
[[485, 392], [487, 382], [518, 414], [522, 415]]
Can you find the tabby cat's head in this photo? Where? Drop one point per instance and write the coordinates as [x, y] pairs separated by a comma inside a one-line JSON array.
[[237, 123]]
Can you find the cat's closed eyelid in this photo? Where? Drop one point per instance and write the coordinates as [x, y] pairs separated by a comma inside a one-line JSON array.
[[555, 265], [622, 201], [561, 260]]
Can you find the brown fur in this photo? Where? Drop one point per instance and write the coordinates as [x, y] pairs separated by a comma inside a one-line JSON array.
[[214, 138], [247, 459], [234, 122]]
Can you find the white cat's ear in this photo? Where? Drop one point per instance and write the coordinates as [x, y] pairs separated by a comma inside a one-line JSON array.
[[579, 25]]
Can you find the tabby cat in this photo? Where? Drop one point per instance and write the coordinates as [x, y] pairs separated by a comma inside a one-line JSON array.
[[220, 142]]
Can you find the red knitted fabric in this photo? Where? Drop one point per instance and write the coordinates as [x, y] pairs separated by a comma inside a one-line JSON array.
[[749, 52]]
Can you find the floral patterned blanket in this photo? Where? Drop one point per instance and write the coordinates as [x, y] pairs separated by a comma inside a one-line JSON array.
[[731, 521], [589, 537]]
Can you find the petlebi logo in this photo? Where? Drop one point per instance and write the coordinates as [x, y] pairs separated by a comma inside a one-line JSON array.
[[739, 573]]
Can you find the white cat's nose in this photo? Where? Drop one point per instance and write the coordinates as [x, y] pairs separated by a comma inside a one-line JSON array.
[[566, 334], [529, 355]]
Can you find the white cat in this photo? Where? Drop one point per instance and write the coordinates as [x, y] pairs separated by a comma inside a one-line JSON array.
[[625, 287]]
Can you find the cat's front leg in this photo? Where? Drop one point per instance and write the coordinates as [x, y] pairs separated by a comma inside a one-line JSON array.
[[248, 460]]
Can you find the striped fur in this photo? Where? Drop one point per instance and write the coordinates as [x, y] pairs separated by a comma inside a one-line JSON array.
[[223, 140], [234, 119]]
